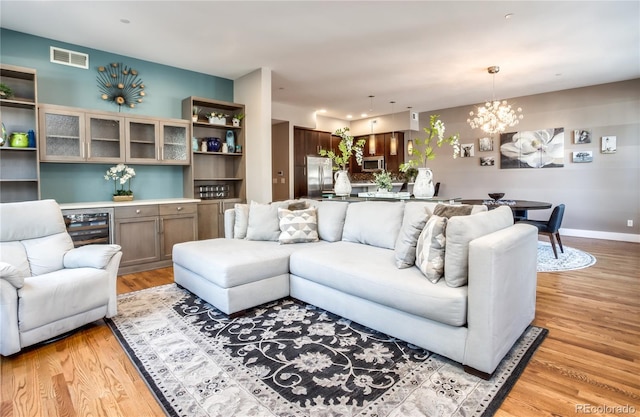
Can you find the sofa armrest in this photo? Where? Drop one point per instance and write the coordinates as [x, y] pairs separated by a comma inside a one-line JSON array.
[[501, 293], [229, 222], [90, 256], [9, 334], [11, 274]]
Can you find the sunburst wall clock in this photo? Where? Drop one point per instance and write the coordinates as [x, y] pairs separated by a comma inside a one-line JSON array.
[[120, 84]]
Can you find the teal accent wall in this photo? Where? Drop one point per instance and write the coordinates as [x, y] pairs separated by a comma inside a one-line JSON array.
[[165, 87]]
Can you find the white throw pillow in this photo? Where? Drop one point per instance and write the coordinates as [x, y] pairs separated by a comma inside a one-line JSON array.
[[430, 250], [331, 215], [415, 218], [463, 229], [374, 223], [241, 222], [263, 222], [298, 226]]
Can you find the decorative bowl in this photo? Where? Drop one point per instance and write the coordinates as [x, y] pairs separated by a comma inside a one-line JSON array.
[[496, 196]]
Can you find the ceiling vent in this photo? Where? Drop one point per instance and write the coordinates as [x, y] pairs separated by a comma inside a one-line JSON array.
[[70, 58]]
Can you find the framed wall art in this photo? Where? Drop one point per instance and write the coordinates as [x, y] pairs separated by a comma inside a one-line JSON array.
[[582, 156], [581, 136], [485, 144], [532, 149], [487, 161], [467, 150], [608, 144]]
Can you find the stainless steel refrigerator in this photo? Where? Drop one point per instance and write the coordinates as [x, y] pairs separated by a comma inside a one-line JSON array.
[[319, 176]]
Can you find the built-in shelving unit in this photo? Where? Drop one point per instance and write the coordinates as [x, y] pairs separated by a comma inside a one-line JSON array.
[[217, 178], [19, 167]]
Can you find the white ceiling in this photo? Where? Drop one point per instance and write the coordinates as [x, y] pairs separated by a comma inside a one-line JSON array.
[[334, 54]]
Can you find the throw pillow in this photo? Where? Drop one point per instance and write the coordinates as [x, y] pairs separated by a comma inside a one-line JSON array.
[[374, 223], [11, 274], [263, 222], [463, 229], [415, 217], [448, 211], [241, 220], [430, 250], [298, 226]]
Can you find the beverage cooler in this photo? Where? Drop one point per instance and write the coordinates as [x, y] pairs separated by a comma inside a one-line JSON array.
[[89, 226]]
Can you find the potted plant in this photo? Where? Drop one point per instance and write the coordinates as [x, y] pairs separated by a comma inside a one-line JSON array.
[[121, 174], [383, 181], [195, 112], [423, 187], [236, 119], [217, 118], [5, 91], [347, 147]]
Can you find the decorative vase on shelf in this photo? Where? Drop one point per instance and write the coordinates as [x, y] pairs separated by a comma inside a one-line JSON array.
[[423, 187], [343, 185], [230, 138], [214, 144]]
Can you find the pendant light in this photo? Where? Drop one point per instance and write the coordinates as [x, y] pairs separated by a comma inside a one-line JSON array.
[[393, 143], [410, 141], [372, 137]]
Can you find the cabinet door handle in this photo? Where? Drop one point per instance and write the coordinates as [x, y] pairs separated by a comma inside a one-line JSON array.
[[138, 211], [88, 149], [179, 208]]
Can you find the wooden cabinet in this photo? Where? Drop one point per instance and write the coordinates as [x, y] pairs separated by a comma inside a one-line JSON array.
[[76, 135], [137, 232], [211, 217], [178, 223], [147, 233], [308, 142], [392, 160], [19, 167]]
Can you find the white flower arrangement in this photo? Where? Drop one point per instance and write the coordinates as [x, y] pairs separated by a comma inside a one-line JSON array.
[[120, 174], [435, 131]]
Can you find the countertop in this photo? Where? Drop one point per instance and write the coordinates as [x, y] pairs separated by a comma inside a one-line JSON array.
[[99, 204]]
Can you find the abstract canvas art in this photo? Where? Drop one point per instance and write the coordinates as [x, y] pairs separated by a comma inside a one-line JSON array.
[[532, 149]]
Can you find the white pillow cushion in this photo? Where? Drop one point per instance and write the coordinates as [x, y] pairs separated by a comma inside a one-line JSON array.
[[241, 222], [415, 217], [331, 215], [463, 229], [430, 248], [374, 223], [10, 273], [298, 226], [263, 222]]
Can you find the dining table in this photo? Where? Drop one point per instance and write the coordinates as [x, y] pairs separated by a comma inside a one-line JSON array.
[[520, 208]]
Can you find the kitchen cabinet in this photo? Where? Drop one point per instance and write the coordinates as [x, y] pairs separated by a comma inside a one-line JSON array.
[[383, 148], [211, 217], [19, 167], [147, 233], [77, 135], [308, 142]]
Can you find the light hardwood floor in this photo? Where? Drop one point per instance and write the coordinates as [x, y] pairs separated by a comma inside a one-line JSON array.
[[588, 364]]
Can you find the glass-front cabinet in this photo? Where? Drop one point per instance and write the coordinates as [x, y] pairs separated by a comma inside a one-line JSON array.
[[76, 135]]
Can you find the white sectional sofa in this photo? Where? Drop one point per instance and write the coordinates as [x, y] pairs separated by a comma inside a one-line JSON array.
[[362, 267]]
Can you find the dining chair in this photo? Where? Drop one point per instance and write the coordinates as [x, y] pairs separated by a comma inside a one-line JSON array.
[[550, 227]]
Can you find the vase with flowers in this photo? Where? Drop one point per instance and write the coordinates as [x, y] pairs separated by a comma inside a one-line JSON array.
[[347, 147], [121, 174], [424, 150]]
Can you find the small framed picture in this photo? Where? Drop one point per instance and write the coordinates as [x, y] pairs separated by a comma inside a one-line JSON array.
[[487, 161], [582, 156], [467, 150], [485, 144], [608, 144], [581, 136]]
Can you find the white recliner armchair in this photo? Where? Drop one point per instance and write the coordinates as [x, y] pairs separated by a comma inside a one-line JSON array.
[[48, 287]]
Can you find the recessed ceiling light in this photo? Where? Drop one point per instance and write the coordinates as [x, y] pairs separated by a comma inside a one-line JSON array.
[[364, 115], [125, 21], [508, 16], [349, 116], [322, 111]]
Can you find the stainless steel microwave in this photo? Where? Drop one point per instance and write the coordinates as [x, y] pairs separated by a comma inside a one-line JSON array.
[[372, 163]]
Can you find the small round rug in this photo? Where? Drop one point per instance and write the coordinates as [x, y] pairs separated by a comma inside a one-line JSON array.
[[570, 260]]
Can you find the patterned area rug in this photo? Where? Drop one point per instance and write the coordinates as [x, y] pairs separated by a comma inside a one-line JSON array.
[[292, 359], [570, 260]]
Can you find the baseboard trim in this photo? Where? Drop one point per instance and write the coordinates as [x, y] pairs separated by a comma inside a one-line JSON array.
[[595, 234]]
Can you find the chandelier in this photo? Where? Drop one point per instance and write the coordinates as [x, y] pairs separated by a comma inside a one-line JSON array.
[[496, 115]]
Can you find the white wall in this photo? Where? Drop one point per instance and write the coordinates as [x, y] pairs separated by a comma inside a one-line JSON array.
[[254, 91]]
